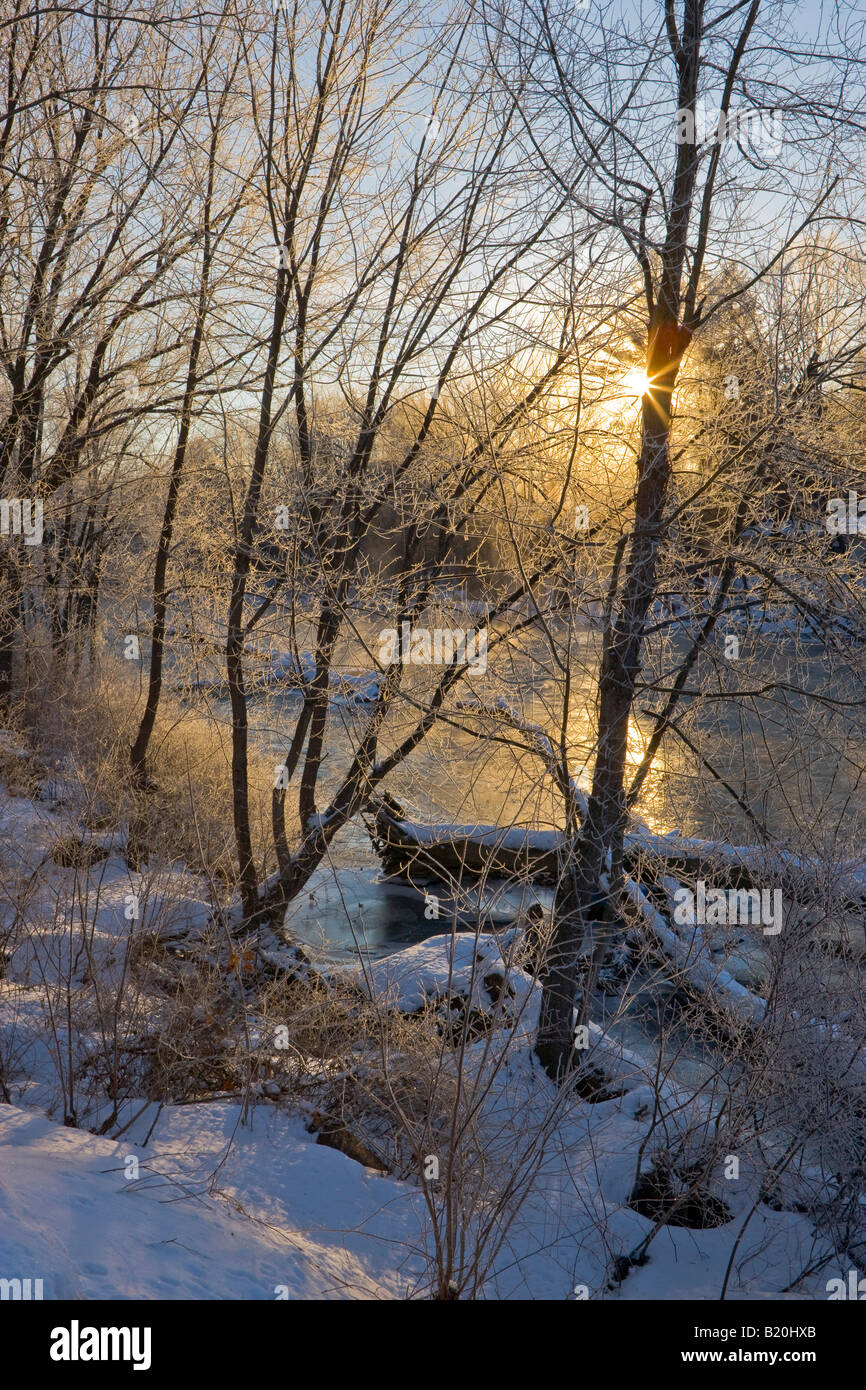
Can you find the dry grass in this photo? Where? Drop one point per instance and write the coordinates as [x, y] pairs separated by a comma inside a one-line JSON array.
[[87, 729]]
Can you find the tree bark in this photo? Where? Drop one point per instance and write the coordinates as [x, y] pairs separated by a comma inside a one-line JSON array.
[[600, 838]]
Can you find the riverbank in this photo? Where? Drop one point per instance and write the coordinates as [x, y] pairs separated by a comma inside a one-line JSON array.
[[246, 1120]]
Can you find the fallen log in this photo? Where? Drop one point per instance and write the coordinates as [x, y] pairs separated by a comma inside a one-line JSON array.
[[424, 853], [688, 951], [429, 852]]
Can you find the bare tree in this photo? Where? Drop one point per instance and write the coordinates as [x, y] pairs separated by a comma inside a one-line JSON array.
[[681, 215], [91, 132], [443, 256]]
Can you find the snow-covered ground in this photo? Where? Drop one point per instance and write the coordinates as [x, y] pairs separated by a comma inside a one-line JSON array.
[[216, 1211], [223, 1210], [206, 1200]]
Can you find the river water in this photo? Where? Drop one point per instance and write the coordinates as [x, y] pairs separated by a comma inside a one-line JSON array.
[[796, 763]]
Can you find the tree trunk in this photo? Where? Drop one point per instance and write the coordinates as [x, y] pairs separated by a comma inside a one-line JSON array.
[[600, 838], [248, 880]]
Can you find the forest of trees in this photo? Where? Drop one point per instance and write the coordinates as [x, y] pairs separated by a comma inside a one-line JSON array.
[[324, 319]]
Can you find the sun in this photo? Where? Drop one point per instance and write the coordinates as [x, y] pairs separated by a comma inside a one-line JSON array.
[[636, 382]]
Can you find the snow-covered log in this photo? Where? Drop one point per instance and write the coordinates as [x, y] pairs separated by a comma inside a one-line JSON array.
[[685, 946]]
